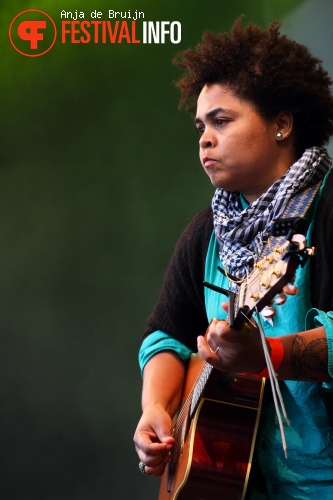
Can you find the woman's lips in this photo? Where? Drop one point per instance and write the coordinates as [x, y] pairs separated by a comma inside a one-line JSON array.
[[207, 161]]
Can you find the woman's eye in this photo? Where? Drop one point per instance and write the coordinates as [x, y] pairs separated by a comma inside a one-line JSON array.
[[200, 130], [221, 121]]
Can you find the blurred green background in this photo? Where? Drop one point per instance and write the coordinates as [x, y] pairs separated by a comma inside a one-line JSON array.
[[98, 176]]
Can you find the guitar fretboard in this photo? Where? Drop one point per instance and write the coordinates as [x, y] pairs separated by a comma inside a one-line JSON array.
[[199, 386], [188, 410]]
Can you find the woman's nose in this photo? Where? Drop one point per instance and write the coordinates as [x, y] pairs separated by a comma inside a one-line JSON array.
[[207, 140]]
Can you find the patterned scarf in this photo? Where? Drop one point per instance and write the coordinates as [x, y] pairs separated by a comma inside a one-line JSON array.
[[242, 234]]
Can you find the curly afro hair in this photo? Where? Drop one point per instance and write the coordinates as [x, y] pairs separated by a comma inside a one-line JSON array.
[[267, 69]]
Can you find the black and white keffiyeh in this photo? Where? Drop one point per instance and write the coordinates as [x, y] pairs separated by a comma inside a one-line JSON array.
[[241, 234]]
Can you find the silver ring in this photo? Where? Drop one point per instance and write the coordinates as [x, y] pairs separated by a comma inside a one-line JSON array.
[[218, 347], [142, 467]]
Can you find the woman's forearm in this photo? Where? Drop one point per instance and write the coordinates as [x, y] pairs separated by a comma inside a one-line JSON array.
[[305, 356], [163, 380]]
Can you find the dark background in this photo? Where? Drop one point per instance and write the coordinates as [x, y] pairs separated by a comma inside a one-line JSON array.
[[98, 176]]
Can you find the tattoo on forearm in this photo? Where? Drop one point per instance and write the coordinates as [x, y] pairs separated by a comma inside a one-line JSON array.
[[306, 359]]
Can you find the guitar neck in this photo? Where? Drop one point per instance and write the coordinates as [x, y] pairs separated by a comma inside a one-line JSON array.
[[199, 387], [192, 400]]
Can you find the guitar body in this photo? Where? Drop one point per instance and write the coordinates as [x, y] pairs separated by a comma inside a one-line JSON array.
[[214, 450], [216, 427]]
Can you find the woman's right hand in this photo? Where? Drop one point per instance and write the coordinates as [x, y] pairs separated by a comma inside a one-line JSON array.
[[153, 439]]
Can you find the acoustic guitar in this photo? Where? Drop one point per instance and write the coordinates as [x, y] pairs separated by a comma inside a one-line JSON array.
[[216, 428]]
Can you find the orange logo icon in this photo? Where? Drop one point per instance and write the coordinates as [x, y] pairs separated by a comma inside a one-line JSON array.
[[32, 33]]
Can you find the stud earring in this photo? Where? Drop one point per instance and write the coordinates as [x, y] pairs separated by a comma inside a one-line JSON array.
[[279, 135]]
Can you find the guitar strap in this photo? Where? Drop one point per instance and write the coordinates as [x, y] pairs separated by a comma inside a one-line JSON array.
[[297, 207], [300, 203]]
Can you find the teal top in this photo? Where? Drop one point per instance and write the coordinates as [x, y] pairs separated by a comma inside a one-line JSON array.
[[308, 470]]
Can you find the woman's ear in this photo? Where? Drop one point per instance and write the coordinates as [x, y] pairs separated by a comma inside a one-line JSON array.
[[284, 125]]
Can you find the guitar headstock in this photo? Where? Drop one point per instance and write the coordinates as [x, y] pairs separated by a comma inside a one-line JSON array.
[[269, 276]]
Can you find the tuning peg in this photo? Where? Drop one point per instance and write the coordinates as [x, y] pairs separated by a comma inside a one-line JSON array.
[[290, 289], [300, 240], [280, 299], [268, 312]]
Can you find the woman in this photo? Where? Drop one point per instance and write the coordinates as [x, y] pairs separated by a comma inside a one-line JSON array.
[[264, 111]]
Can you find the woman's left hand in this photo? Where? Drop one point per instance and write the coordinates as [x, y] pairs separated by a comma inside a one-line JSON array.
[[231, 350]]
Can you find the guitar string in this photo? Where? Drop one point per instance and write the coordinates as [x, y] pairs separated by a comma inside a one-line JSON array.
[[186, 412], [277, 396], [254, 279], [187, 406]]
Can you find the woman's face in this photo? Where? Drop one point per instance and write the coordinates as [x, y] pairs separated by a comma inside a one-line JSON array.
[[239, 150]]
